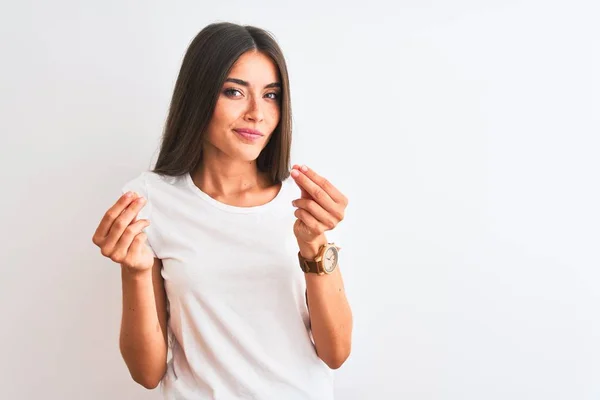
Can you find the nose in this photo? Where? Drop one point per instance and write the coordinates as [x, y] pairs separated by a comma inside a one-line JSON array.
[[254, 111]]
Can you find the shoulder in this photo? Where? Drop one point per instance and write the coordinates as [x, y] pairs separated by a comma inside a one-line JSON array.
[[136, 184], [146, 181]]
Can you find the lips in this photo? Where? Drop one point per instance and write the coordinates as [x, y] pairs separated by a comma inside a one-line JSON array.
[[249, 134]]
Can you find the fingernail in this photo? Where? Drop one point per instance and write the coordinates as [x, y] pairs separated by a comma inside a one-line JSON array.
[[304, 168], [295, 173], [128, 194]]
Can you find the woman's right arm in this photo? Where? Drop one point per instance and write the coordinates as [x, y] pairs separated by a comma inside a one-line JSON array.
[[143, 338]]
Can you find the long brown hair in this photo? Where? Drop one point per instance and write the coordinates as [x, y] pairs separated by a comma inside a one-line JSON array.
[[205, 67]]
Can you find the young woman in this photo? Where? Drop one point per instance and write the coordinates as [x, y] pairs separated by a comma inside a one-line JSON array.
[[224, 258]]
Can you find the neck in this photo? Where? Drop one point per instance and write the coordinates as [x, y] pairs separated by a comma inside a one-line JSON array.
[[223, 176]]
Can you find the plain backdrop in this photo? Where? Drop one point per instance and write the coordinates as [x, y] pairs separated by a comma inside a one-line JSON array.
[[464, 133]]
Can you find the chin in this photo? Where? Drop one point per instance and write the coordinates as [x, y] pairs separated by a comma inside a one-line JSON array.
[[247, 155]]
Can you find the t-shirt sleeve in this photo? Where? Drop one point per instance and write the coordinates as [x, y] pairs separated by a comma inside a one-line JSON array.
[[139, 185]]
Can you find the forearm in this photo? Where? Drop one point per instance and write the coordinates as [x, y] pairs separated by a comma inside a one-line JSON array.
[[330, 313], [142, 341]]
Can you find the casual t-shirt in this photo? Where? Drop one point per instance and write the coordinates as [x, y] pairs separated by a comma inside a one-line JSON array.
[[238, 324]]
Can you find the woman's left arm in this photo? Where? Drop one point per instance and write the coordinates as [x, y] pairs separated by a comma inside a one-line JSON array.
[[320, 208]]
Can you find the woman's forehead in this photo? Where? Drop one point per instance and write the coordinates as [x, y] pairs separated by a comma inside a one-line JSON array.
[[255, 68]]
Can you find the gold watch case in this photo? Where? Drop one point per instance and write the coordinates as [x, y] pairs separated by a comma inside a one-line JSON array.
[[325, 262]]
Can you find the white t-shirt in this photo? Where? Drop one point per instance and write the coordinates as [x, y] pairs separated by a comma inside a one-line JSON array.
[[239, 326]]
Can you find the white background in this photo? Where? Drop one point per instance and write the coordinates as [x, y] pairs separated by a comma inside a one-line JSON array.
[[464, 133]]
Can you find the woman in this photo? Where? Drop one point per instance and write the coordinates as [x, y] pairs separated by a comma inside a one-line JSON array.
[[213, 255]]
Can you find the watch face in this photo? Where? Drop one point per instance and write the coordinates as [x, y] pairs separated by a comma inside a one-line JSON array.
[[330, 259]]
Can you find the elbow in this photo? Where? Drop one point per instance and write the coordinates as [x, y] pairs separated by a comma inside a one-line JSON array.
[[335, 363], [147, 381], [148, 376], [337, 352], [146, 370], [337, 358]]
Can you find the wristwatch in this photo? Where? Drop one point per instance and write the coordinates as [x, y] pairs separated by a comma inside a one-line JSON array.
[[325, 262]]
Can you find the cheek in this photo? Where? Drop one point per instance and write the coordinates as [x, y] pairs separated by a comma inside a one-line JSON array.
[[224, 116], [224, 112], [274, 116]]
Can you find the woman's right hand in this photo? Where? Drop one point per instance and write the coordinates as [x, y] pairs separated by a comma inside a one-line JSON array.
[[121, 239]]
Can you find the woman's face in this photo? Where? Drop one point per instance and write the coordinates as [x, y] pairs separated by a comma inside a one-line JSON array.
[[247, 110]]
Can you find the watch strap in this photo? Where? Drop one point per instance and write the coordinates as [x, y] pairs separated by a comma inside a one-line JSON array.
[[308, 266]]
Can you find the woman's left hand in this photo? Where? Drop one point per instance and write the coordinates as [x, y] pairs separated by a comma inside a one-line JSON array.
[[320, 208]]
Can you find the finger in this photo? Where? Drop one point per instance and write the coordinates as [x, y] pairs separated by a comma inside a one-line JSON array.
[[311, 222], [315, 191], [323, 183], [137, 245], [122, 222], [136, 250], [122, 247], [304, 194], [320, 214], [112, 214]]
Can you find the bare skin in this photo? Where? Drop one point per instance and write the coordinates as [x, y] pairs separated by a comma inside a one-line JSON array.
[[249, 99], [143, 338], [229, 172]]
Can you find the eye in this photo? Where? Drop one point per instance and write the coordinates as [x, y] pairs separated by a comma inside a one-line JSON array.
[[273, 95], [231, 92]]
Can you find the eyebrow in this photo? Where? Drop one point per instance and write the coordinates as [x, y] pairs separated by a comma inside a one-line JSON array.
[[246, 84]]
